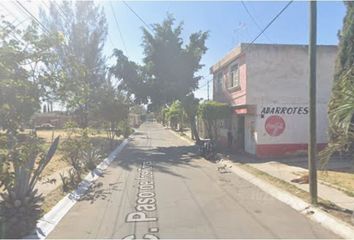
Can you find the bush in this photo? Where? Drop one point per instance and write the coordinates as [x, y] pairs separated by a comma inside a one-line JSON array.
[[210, 112], [20, 207], [81, 154], [72, 149], [3, 140], [125, 129]]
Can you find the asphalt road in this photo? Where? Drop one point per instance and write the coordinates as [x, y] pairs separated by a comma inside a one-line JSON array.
[[159, 188]]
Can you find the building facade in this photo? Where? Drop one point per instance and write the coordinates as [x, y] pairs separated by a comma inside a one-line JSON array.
[[267, 87], [57, 119]]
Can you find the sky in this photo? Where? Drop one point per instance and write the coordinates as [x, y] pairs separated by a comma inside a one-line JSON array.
[[227, 22]]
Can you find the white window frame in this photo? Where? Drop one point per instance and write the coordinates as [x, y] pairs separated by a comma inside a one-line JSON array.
[[234, 79]]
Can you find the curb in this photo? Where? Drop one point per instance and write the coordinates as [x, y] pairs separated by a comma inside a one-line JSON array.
[[334, 224], [329, 222], [48, 222], [181, 137]]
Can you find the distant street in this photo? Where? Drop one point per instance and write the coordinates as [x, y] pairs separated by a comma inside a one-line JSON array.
[[159, 188]]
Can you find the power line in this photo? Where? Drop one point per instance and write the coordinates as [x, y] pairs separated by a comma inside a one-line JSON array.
[[60, 11], [142, 20], [252, 18], [269, 24], [32, 16], [262, 31], [16, 21], [205, 84], [11, 13], [120, 33]]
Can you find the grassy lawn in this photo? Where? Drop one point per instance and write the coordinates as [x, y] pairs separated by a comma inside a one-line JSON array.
[[343, 180]]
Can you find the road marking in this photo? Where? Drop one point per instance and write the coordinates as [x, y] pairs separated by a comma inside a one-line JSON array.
[[145, 209], [153, 230]]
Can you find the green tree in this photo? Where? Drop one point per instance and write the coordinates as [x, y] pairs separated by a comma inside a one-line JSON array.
[[190, 106], [112, 109], [175, 115], [171, 65], [341, 105], [81, 56], [162, 116], [24, 70], [210, 112], [132, 78]]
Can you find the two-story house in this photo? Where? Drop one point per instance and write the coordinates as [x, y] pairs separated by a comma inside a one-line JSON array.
[[267, 87]]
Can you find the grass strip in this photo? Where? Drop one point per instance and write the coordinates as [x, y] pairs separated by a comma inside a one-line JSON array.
[[345, 215]]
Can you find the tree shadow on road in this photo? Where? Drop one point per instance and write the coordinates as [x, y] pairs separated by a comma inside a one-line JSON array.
[[164, 158], [97, 192]]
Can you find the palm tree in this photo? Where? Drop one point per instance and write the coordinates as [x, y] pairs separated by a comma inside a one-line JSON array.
[[341, 105]]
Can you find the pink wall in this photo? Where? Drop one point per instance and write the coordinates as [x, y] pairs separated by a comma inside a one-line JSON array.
[[236, 96]]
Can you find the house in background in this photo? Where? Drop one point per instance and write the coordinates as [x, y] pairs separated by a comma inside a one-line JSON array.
[[267, 87], [135, 120], [57, 119]]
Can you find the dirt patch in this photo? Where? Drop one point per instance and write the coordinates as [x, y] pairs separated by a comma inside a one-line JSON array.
[[98, 138], [52, 198], [57, 163], [50, 135]]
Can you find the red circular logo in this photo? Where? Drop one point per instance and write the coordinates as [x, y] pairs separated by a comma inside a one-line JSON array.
[[275, 125]]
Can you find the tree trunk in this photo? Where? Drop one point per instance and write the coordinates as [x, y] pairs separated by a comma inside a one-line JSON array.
[[215, 130], [209, 129], [194, 130], [112, 135]]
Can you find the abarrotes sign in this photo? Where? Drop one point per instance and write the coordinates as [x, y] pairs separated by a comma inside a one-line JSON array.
[[284, 110]]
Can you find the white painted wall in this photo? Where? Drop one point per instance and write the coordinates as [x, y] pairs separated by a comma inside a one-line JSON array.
[[251, 137], [277, 76], [296, 126]]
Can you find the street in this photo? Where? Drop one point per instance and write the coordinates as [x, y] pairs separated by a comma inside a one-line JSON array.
[[159, 188]]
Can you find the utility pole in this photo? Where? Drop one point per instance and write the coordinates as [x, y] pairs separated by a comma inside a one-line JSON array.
[[208, 89], [312, 146]]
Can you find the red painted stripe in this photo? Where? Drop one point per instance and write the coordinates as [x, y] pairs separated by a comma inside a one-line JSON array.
[[272, 150]]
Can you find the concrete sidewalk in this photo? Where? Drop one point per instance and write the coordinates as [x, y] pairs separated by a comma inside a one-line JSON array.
[[289, 169]]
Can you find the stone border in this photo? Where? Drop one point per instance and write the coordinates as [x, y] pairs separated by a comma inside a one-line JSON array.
[[329, 222], [48, 222]]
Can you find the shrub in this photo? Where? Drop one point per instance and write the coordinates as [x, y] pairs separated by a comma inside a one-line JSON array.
[[21, 205]]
